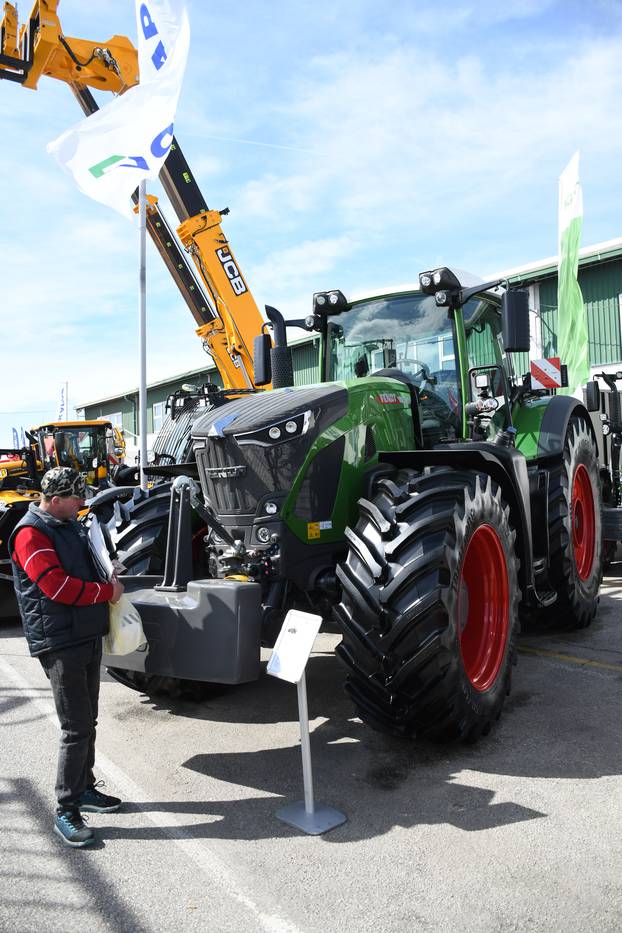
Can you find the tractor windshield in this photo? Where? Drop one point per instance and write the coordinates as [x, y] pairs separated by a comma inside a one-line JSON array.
[[412, 334], [407, 332]]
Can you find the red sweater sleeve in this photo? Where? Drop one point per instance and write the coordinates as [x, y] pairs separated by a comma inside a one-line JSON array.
[[35, 554]]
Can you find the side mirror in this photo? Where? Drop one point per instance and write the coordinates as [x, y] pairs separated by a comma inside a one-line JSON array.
[[262, 370], [515, 320], [592, 396]]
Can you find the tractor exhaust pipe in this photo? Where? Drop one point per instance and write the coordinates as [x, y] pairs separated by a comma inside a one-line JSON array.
[[280, 354]]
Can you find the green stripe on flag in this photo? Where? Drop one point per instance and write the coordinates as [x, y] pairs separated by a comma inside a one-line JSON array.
[[572, 336]]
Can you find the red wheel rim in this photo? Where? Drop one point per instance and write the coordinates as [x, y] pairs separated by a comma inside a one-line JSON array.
[[483, 607], [583, 522]]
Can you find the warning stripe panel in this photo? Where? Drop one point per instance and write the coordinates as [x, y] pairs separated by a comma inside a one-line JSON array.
[[546, 374]]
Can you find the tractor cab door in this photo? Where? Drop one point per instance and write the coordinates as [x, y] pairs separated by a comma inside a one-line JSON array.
[[490, 367]]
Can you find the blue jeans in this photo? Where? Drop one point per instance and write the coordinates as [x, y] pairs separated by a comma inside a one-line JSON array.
[[74, 677]]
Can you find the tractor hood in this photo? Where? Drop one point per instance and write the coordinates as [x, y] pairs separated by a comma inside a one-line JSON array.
[[264, 410], [253, 448]]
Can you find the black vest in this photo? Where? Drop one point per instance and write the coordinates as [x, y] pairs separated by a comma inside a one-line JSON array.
[[50, 625]]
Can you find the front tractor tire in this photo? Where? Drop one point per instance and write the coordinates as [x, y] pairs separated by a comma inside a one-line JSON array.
[[429, 607], [575, 536]]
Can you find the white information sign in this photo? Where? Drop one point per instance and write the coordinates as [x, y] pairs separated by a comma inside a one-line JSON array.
[[294, 645]]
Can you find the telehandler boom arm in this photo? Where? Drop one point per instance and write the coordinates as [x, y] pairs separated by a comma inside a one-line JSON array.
[[219, 299]]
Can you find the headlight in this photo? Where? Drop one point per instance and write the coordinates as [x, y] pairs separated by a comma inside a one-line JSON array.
[[279, 432]]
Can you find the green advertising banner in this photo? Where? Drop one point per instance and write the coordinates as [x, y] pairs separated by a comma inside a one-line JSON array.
[[572, 335]]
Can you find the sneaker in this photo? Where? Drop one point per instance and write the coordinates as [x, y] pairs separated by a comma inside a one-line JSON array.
[[93, 801], [72, 829]]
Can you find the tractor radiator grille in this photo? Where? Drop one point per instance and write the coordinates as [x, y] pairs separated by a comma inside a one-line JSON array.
[[235, 478]]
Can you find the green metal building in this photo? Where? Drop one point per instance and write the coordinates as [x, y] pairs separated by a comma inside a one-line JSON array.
[[600, 279]]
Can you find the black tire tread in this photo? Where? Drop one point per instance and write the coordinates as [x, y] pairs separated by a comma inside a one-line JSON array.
[[577, 602], [401, 667]]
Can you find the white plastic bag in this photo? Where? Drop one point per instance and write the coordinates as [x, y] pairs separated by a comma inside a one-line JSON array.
[[126, 630]]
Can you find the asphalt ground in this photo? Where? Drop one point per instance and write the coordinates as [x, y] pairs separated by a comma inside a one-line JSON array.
[[519, 832]]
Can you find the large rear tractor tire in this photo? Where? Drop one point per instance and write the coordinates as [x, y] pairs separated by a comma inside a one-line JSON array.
[[429, 607], [575, 538]]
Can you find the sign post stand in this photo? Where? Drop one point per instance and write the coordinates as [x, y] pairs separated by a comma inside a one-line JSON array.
[[289, 658]]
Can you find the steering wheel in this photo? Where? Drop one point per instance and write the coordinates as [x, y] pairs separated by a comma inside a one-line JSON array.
[[422, 367]]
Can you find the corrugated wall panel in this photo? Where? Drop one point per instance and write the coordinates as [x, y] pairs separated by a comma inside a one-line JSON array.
[[481, 352], [548, 316], [601, 287], [305, 363]]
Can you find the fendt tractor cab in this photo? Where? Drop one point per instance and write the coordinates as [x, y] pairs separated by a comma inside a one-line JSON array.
[[421, 496]]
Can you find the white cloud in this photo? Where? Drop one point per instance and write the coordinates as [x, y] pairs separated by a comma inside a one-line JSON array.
[[287, 272], [406, 139]]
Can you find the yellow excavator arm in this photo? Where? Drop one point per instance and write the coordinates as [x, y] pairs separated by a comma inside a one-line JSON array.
[[219, 299], [39, 48]]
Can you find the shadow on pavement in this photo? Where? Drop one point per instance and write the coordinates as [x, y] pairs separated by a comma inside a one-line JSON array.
[[560, 722], [31, 873]]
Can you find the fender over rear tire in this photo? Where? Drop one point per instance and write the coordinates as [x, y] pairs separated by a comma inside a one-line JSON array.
[[575, 536], [429, 607]]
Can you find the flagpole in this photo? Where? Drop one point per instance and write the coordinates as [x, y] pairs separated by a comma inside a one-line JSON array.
[[142, 330]]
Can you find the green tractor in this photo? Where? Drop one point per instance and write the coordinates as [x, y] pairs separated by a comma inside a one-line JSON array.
[[421, 496]]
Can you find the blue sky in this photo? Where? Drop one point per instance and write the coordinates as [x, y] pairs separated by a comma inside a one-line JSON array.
[[356, 143]]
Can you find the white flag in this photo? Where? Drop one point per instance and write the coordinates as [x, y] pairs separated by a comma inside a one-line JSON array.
[[572, 329], [110, 152], [61, 407]]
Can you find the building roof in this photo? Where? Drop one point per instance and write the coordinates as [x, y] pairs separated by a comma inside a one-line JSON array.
[[599, 252], [151, 385]]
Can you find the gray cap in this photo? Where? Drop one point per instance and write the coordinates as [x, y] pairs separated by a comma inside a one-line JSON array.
[[63, 481]]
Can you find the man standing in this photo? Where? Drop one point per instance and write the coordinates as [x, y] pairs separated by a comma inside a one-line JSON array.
[[64, 608]]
